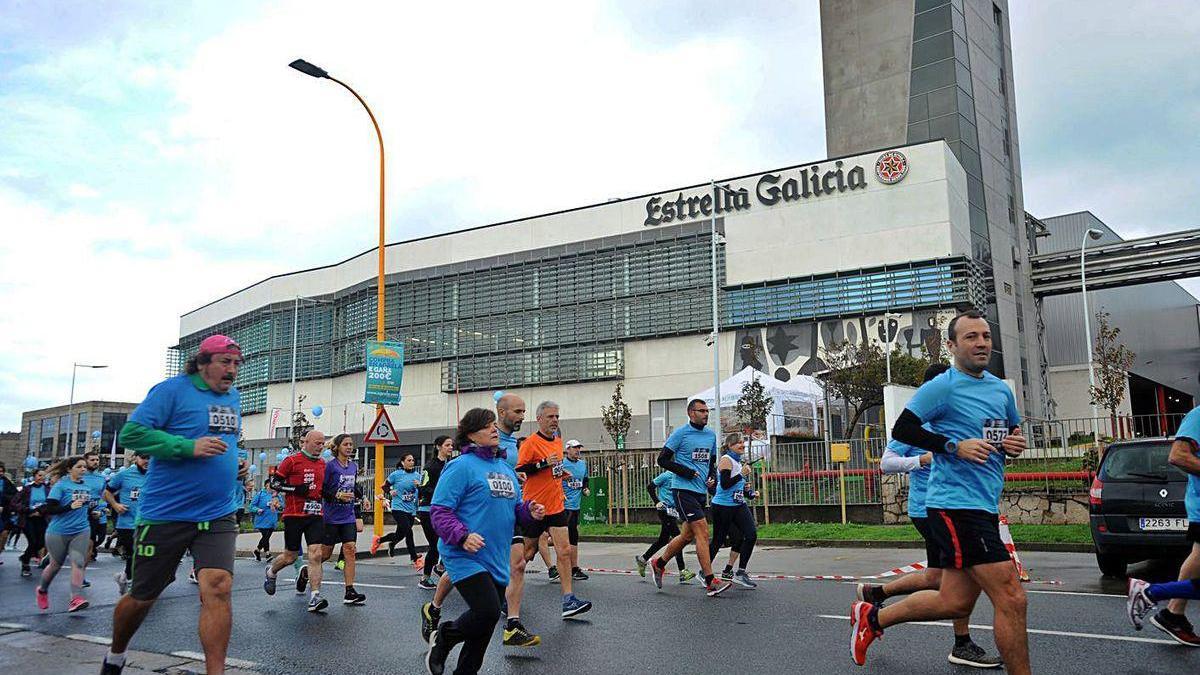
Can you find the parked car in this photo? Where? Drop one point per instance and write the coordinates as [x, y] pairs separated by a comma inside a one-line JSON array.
[[1136, 506]]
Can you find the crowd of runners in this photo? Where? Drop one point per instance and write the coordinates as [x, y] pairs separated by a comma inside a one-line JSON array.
[[184, 491]]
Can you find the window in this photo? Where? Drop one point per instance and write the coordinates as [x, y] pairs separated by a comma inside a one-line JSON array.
[[110, 427], [81, 433], [35, 437], [665, 416], [49, 431]]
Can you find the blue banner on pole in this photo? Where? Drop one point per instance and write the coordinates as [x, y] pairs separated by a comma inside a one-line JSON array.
[[385, 371]]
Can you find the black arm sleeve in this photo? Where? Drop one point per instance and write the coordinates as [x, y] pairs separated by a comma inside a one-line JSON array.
[[533, 467], [53, 507], [278, 483], [728, 480], [585, 481], [653, 490], [908, 430], [666, 459]]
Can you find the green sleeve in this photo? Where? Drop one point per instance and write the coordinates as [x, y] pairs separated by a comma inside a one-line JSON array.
[[155, 443]]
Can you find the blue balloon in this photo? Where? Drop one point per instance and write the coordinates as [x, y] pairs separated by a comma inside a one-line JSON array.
[[497, 396], [106, 472], [281, 456], [262, 456], [327, 454], [31, 462], [96, 435], [317, 410], [253, 468]]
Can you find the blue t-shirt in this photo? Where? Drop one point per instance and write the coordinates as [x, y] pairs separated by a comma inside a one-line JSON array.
[[404, 490], [191, 490], [265, 516], [508, 443], [484, 494], [95, 482], [918, 479], [127, 484], [735, 494], [960, 407], [573, 486], [663, 482], [339, 478], [1189, 428], [695, 449], [37, 495], [73, 521]]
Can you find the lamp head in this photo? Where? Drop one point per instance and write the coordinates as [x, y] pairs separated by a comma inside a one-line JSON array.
[[1094, 234], [308, 68]]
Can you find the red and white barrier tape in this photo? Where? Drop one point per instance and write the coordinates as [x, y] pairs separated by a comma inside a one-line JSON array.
[[895, 571]]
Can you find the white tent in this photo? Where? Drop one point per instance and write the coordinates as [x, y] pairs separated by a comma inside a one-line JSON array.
[[801, 391]]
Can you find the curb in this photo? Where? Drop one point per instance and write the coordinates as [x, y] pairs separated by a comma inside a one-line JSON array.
[[1039, 547]]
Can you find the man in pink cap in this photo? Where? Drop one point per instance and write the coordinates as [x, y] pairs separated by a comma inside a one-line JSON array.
[[189, 427]]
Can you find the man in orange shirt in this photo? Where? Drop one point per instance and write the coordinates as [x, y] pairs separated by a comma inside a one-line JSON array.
[[540, 459]]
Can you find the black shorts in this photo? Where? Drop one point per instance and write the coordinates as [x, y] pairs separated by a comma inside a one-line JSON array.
[[312, 528], [932, 552], [573, 526], [1193, 533], [158, 548], [538, 527], [965, 538], [99, 529], [343, 533], [690, 505]]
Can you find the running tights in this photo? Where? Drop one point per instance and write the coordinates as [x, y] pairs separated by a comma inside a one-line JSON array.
[[404, 525], [125, 543], [474, 627], [264, 542], [431, 555], [35, 538], [727, 518], [1188, 589], [668, 530], [60, 547]]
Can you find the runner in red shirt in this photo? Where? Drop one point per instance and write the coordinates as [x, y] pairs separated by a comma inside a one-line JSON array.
[[299, 477]]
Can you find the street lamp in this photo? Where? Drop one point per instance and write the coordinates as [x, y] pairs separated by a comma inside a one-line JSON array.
[[888, 316], [314, 71], [716, 326], [1094, 235], [295, 335], [71, 406]]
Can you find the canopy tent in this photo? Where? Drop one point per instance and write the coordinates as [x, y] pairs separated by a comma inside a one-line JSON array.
[[796, 400]]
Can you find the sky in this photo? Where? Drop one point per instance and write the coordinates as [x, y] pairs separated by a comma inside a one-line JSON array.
[[157, 156]]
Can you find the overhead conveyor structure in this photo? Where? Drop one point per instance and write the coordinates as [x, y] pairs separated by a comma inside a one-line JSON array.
[[1162, 257]]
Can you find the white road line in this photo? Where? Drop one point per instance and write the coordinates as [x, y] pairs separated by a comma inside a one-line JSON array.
[[1037, 631], [14, 626], [356, 584], [90, 638], [229, 662], [1096, 595]]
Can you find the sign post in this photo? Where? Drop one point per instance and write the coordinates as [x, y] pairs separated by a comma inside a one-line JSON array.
[[385, 371], [840, 453]]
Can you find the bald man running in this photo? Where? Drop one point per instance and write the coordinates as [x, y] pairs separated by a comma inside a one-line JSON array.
[[300, 477]]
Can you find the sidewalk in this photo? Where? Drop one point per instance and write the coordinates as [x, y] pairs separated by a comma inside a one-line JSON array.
[[26, 651], [247, 542]]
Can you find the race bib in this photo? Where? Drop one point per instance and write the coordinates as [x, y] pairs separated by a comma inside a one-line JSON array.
[[700, 456], [995, 430], [575, 484], [408, 497], [739, 497], [312, 507], [222, 420], [501, 486], [134, 494], [556, 470], [81, 495]]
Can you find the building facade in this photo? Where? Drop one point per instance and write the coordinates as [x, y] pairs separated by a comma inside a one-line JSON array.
[[905, 71], [46, 433], [562, 306], [11, 455]]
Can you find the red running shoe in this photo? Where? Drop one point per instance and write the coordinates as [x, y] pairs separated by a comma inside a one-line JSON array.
[[77, 603], [374, 544], [861, 632], [43, 598]]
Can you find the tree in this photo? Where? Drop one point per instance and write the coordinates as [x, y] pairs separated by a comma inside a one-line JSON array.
[[1112, 363], [300, 425], [754, 406], [617, 417], [858, 372]]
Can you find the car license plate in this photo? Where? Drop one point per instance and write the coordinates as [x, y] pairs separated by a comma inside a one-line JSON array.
[[1163, 524]]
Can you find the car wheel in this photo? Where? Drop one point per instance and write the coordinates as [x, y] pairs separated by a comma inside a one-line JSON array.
[[1111, 564]]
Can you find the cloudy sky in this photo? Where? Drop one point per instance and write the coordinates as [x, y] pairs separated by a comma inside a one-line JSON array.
[[155, 156]]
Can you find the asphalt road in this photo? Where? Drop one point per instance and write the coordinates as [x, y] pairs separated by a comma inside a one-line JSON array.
[[785, 626]]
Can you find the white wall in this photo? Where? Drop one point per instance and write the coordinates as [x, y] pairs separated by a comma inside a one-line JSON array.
[[1069, 387]]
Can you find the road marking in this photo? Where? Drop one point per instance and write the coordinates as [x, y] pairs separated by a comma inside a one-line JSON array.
[[14, 626], [229, 662], [1097, 595], [90, 638], [1037, 631], [356, 584]]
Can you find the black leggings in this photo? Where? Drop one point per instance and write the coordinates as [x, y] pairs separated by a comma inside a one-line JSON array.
[[431, 556], [474, 627], [668, 530], [404, 523], [125, 543], [35, 538], [727, 518], [264, 542]]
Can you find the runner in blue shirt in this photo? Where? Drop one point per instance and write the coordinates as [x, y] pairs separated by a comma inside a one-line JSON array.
[[97, 510], [123, 493], [732, 517], [690, 453], [402, 485], [575, 485], [668, 520], [474, 509], [264, 508], [443, 450], [189, 425], [1185, 454], [973, 424], [69, 533]]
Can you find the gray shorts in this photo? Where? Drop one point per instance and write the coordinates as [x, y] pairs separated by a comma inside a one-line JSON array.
[[59, 546], [159, 547]]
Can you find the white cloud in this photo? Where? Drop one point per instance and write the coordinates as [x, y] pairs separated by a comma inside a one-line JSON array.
[[82, 191]]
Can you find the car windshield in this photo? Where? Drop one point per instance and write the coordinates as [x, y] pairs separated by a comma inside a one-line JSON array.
[[1141, 461]]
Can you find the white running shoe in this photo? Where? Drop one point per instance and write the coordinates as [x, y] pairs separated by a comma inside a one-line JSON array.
[[1138, 604]]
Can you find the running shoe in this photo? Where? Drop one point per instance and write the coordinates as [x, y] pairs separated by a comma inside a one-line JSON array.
[[573, 606], [519, 636], [726, 575], [42, 597], [641, 565], [353, 597], [717, 587], [419, 563], [578, 575], [871, 593], [742, 579], [435, 658], [1177, 626], [317, 603], [861, 632], [257, 555], [300, 561], [341, 564], [429, 583], [107, 668], [974, 656], [268, 581], [88, 584], [552, 572], [430, 616], [1138, 604], [77, 603], [191, 577], [439, 569], [686, 576], [122, 582], [25, 571], [302, 580], [43, 562], [374, 544], [657, 569]]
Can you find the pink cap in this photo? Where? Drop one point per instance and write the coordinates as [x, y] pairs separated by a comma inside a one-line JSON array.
[[219, 344]]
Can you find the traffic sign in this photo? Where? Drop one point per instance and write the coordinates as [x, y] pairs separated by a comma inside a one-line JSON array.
[[381, 430]]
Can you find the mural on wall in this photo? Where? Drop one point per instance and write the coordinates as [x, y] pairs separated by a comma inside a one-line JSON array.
[[795, 349]]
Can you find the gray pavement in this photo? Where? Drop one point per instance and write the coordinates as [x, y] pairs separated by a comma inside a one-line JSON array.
[[786, 626]]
